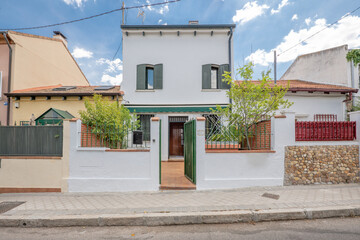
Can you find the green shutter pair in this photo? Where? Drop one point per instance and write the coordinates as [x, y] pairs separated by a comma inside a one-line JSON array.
[[206, 76], [141, 76]]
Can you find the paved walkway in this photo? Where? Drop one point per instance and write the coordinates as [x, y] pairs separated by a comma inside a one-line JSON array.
[[93, 204], [173, 178]]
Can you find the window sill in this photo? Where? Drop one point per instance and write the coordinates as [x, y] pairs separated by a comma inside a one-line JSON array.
[[212, 90], [150, 90]]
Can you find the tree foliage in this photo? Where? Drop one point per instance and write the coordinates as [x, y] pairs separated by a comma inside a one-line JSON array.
[[354, 56], [251, 101], [107, 120]]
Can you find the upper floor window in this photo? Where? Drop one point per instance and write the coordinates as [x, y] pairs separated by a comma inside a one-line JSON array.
[[149, 81], [212, 76], [149, 76]]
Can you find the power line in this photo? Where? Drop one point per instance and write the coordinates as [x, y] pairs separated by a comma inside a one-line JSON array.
[[117, 49], [345, 16], [93, 16]]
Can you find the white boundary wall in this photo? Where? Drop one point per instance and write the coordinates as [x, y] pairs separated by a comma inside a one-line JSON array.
[[96, 170], [236, 170]]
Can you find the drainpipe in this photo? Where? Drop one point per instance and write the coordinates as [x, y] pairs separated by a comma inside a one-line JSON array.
[[9, 79], [230, 37]]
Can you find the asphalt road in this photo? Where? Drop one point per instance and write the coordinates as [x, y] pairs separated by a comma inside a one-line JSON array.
[[327, 229]]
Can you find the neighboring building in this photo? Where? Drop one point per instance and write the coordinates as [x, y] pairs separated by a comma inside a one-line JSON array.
[[31, 104], [174, 72], [310, 99], [34, 61], [328, 66]]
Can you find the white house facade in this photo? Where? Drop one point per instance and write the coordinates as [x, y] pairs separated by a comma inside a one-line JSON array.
[[174, 72]]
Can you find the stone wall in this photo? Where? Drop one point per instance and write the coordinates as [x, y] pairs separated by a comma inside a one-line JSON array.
[[321, 164]]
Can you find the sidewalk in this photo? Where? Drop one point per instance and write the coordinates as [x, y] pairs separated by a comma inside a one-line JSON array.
[[181, 207]]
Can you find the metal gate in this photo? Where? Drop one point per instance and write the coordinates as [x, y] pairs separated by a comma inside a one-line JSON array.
[[190, 150]]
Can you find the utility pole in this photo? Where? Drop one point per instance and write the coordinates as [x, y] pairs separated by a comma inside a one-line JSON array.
[[275, 66], [123, 8]]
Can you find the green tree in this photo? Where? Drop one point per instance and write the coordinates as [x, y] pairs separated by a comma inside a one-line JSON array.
[[353, 55], [108, 120], [250, 101]]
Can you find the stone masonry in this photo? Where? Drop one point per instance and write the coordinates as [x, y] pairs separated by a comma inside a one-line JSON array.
[[321, 164]]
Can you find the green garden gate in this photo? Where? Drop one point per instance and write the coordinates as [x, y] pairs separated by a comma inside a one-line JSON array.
[[190, 150]]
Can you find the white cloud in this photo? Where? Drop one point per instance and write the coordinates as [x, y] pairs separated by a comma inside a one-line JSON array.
[[161, 10], [308, 21], [113, 72], [280, 6], [113, 66], [160, 20], [112, 80], [77, 3], [249, 11], [81, 53], [294, 17], [346, 31]]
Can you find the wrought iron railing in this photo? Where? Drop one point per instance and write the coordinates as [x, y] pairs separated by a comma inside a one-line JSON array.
[[220, 134], [325, 131], [111, 136]]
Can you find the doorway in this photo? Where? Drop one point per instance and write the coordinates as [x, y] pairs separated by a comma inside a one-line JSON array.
[[176, 137]]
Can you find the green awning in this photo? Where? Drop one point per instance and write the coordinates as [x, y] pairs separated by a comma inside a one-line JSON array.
[[159, 109]]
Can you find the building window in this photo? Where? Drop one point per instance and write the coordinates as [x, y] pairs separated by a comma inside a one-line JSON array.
[[145, 125], [149, 77], [32, 98], [214, 77], [212, 125], [48, 97], [149, 80]]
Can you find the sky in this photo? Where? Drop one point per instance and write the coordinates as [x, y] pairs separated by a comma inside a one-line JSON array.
[[261, 28]]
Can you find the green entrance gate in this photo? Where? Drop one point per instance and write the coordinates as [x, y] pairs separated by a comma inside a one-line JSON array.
[[190, 150]]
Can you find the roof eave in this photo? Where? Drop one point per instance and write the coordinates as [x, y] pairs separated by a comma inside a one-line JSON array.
[[322, 90], [189, 26], [24, 94]]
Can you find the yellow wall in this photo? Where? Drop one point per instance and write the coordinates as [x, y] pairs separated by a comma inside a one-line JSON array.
[[43, 62], [38, 106], [30, 173]]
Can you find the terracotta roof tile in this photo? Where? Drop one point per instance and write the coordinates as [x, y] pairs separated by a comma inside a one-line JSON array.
[[78, 91], [301, 85]]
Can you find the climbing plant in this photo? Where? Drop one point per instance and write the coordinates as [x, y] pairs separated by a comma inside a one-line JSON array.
[[353, 55]]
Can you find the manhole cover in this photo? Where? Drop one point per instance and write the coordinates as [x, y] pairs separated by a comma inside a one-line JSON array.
[[7, 206]]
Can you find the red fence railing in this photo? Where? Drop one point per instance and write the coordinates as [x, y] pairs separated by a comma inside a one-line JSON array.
[[325, 131], [325, 117]]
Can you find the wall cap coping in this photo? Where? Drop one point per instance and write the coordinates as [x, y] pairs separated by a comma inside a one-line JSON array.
[[127, 150], [31, 157], [155, 119], [237, 151], [280, 116], [100, 149], [72, 119], [356, 112], [200, 119]]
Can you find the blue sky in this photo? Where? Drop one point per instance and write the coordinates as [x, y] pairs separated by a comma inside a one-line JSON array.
[[262, 26]]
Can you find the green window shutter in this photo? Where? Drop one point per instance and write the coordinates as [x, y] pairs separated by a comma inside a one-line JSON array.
[[158, 76], [222, 69], [141, 77], [206, 76]]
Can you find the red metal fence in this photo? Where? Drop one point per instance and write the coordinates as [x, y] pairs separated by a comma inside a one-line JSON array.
[[325, 131]]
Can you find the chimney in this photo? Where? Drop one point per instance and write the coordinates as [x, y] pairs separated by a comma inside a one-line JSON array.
[[59, 35], [194, 22]]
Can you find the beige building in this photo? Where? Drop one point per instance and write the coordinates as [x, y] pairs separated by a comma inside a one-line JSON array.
[[29, 61], [30, 104]]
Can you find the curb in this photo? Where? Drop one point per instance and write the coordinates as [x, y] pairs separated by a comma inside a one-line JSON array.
[[182, 218]]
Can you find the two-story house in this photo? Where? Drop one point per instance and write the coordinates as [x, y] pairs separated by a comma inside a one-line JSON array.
[[174, 72], [32, 61]]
